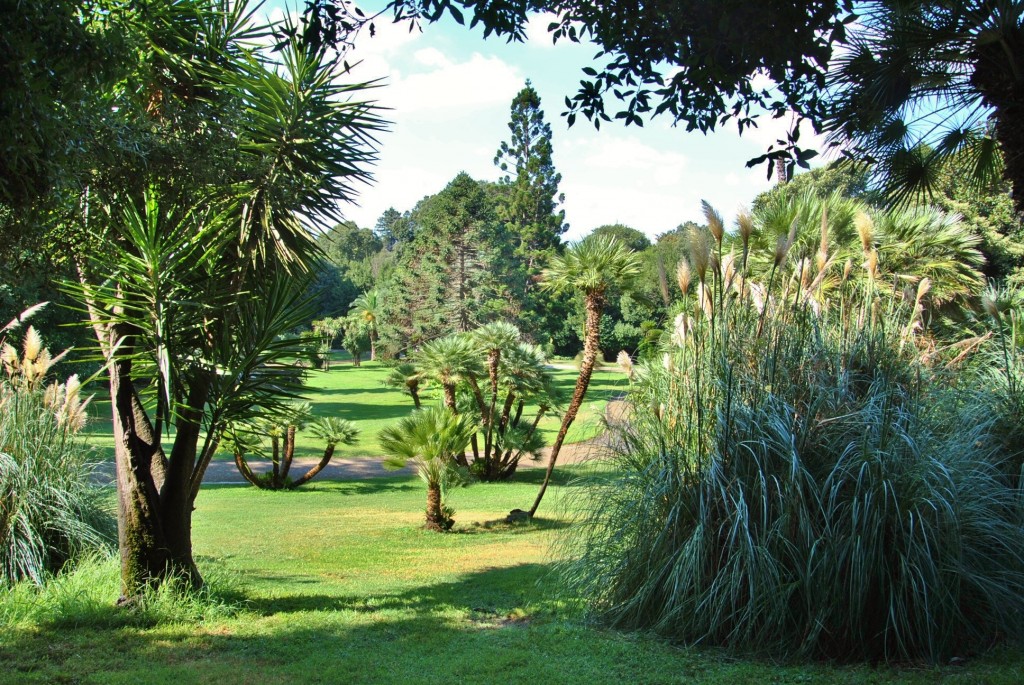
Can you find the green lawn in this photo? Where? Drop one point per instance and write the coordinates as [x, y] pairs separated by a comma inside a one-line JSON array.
[[338, 584], [359, 395]]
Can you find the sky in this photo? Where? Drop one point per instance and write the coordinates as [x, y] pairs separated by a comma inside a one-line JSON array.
[[449, 93]]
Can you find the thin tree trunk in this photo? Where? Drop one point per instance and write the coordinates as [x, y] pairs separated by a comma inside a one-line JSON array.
[[243, 468], [309, 475], [414, 390], [289, 454], [594, 305]]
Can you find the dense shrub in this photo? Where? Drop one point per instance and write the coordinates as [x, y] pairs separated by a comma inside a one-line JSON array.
[[49, 510], [793, 478]]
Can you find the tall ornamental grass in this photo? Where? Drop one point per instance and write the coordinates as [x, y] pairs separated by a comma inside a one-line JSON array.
[[50, 512], [794, 480]]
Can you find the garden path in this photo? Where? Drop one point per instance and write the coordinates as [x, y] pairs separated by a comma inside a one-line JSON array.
[[225, 472]]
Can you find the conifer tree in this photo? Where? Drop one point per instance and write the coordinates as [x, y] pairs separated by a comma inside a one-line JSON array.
[[529, 207]]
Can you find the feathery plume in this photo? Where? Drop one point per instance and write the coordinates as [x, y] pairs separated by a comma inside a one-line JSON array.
[[866, 231], [683, 275], [32, 345], [714, 219]]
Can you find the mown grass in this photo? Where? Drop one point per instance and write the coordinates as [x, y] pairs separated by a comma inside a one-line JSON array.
[[338, 584], [359, 395]]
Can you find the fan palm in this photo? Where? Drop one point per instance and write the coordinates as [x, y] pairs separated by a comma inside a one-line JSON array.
[[590, 267], [449, 361], [407, 378], [922, 82], [430, 438]]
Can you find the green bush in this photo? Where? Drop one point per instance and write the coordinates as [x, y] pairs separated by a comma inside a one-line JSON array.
[[49, 510], [794, 480]]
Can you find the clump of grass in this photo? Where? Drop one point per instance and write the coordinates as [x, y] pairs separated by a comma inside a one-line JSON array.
[[793, 480], [86, 595], [49, 510]]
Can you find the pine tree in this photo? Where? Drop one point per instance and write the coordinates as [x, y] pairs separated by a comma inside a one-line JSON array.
[[529, 207]]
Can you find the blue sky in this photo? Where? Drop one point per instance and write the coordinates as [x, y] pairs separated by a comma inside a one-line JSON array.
[[450, 91]]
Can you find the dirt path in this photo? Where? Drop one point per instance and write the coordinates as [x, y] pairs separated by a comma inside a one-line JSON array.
[[224, 472]]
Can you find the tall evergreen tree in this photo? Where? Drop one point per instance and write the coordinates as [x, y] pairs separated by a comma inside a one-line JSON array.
[[530, 205]]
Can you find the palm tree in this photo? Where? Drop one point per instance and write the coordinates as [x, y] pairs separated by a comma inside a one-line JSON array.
[[591, 267], [430, 438], [367, 307], [406, 377], [924, 83], [449, 361]]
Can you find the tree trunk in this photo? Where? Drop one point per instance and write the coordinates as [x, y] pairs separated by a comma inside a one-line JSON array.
[[594, 305], [435, 517], [154, 502], [999, 77], [414, 390], [309, 475], [373, 344], [449, 396], [289, 454]]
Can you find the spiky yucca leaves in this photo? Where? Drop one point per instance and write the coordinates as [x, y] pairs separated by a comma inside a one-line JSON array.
[[793, 481], [50, 512], [430, 438], [280, 428]]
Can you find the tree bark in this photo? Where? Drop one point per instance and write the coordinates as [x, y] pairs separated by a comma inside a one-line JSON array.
[[594, 306], [154, 494], [309, 475], [435, 517], [999, 77]]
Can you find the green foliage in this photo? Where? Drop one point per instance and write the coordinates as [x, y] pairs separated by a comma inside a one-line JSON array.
[[925, 84], [280, 428], [394, 596], [430, 438], [50, 512], [795, 480], [529, 203], [591, 266]]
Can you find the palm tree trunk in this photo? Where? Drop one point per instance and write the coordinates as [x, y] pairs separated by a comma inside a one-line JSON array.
[[999, 79], [309, 475], [435, 517], [594, 306], [289, 454], [373, 344]]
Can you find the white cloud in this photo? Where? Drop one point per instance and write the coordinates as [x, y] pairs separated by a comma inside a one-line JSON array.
[[537, 30], [479, 82]]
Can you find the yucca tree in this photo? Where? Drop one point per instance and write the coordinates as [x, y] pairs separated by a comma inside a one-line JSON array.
[[368, 308], [589, 267], [193, 287], [430, 438]]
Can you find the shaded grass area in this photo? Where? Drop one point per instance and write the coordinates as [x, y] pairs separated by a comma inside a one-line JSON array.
[[338, 584], [359, 395]]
